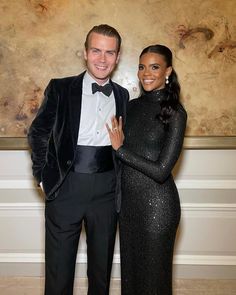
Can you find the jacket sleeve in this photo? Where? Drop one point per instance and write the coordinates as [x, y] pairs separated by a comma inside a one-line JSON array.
[[40, 130], [160, 169]]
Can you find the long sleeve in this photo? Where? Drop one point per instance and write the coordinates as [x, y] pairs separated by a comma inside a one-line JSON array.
[[40, 130], [160, 169]]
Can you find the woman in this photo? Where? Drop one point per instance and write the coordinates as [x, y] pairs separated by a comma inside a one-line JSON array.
[[150, 210]]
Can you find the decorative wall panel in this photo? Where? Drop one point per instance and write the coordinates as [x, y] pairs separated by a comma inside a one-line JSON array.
[[43, 39]]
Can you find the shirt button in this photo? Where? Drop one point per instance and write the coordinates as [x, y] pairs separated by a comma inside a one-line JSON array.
[[68, 162]]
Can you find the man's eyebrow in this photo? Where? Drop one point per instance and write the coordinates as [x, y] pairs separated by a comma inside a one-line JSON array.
[[111, 50], [95, 48]]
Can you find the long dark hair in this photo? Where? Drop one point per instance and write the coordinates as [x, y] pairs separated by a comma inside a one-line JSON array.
[[172, 98]]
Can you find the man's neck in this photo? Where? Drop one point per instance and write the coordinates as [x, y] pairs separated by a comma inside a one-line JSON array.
[[99, 81]]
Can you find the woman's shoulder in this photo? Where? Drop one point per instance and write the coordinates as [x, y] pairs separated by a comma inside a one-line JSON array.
[[133, 102], [181, 110], [180, 113]]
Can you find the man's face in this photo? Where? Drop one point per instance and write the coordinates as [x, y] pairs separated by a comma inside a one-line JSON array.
[[101, 56]]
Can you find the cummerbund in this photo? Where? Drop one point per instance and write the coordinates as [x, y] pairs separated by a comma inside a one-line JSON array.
[[93, 159]]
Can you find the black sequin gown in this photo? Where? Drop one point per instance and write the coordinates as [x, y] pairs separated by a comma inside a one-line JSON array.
[[150, 209]]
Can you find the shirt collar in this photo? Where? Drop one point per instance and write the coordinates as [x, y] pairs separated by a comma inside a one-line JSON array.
[[87, 83]]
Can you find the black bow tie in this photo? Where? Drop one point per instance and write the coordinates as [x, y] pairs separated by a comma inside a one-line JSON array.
[[106, 89]]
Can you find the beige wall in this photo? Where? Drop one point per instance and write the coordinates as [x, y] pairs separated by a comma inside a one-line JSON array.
[[206, 241], [41, 39]]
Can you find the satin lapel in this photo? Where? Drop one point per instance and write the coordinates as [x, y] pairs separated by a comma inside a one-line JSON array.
[[117, 100], [75, 99]]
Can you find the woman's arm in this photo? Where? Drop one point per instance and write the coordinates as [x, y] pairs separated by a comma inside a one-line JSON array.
[[160, 169]]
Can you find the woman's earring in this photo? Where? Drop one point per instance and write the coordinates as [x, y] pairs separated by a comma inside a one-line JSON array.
[[167, 80]]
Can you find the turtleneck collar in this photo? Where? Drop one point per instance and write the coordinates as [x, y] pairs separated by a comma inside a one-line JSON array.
[[155, 95]]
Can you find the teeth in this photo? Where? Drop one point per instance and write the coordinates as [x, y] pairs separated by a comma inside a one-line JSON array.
[[101, 67], [148, 81]]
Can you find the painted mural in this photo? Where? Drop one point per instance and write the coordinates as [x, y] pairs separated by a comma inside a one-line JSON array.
[[44, 39]]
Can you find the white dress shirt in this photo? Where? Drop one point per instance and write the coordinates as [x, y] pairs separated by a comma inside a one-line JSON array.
[[96, 110]]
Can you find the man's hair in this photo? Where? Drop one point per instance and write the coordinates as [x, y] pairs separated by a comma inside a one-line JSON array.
[[105, 30]]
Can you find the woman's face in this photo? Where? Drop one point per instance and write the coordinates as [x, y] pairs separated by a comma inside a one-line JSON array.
[[152, 71]]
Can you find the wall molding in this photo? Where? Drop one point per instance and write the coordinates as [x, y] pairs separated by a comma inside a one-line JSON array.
[[22, 206], [213, 207], [225, 260], [223, 207], [181, 184], [204, 260], [206, 184]]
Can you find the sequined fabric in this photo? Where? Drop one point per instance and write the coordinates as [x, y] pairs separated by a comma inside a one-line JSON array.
[[150, 209]]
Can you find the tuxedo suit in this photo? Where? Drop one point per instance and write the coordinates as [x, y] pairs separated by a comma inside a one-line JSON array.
[[53, 138]]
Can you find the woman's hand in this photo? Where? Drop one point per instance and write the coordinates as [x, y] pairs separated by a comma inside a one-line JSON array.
[[116, 133]]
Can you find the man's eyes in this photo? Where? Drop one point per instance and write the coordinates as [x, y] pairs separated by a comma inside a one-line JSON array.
[[111, 52], [95, 50], [99, 51]]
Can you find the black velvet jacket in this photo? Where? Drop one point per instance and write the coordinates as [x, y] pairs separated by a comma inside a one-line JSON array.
[[53, 133]]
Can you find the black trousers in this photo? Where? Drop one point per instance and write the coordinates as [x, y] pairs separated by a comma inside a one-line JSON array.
[[89, 198]]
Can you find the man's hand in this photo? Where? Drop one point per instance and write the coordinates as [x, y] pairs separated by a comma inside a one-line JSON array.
[[41, 185]]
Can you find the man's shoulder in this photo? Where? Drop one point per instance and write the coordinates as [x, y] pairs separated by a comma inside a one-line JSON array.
[[67, 81], [120, 88]]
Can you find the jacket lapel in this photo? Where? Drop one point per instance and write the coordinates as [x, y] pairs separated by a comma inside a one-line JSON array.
[[75, 99], [117, 100]]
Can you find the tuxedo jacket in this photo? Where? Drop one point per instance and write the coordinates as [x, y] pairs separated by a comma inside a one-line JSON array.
[[53, 134]]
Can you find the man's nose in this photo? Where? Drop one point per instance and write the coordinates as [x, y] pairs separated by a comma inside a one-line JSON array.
[[103, 57]]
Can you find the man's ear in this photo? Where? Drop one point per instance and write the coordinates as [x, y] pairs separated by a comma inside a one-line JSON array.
[[118, 57], [85, 54]]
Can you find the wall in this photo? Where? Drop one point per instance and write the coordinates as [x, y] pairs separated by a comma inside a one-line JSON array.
[[41, 39], [206, 244], [44, 39]]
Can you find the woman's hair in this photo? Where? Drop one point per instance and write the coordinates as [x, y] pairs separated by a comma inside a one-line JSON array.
[[171, 100]]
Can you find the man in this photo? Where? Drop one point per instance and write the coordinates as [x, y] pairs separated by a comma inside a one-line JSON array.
[[74, 164]]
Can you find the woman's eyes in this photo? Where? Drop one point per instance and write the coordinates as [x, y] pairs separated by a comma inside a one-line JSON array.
[[153, 67]]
